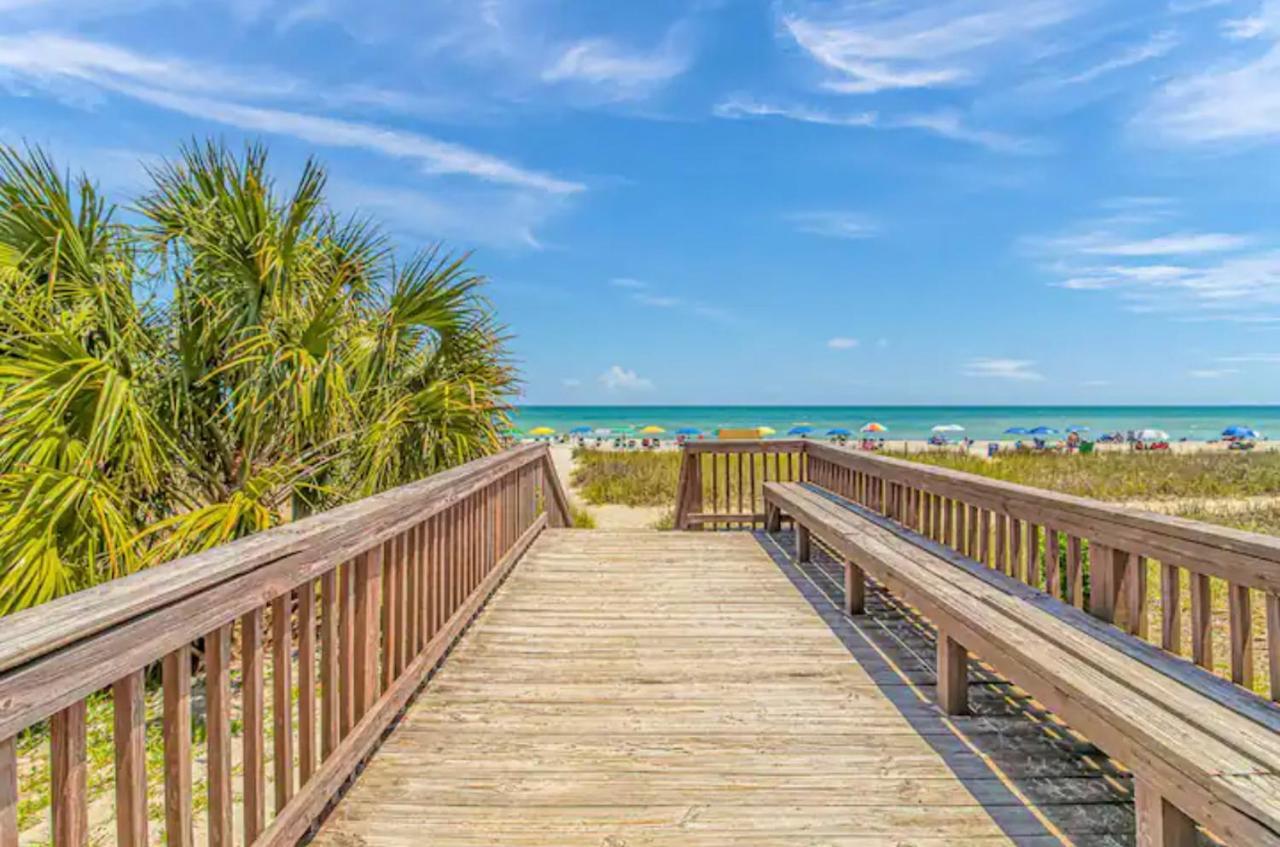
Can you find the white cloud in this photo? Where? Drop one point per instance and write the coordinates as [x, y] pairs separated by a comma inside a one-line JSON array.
[[947, 123], [626, 73], [656, 300], [1012, 369], [1243, 29], [1175, 244], [1252, 359], [882, 46], [1160, 44], [469, 215], [627, 282], [184, 87], [618, 378], [842, 343], [1211, 373], [1228, 101], [831, 224], [741, 106]]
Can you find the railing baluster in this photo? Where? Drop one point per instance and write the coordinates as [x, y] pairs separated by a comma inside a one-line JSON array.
[[1201, 620], [390, 608], [176, 725], [251, 695], [218, 729], [1240, 612], [282, 697], [347, 648], [330, 695], [1075, 571], [1171, 607], [129, 712], [69, 775], [1136, 573], [8, 792], [1272, 602], [1052, 563], [306, 681], [367, 601]]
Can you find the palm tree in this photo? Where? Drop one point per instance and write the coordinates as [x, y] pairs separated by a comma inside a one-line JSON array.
[[284, 361]]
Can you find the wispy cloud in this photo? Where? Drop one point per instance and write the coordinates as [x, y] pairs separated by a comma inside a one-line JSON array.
[[947, 123], [1232, 100], [627, 282], [882, 46], [1011, 369], [644, 294], [842, 343], [621, 379], [1192, 275], [189, 89], [571, 382], [626, 73], [833, 224], [1160, 44], [1211, 373]]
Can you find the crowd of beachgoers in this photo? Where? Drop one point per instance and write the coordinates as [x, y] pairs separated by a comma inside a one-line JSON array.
[[875, 436]]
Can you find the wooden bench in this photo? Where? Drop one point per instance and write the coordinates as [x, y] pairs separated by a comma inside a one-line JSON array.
[[1201, 749]]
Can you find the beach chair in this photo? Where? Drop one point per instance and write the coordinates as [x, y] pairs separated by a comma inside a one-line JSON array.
[[1086, 448]]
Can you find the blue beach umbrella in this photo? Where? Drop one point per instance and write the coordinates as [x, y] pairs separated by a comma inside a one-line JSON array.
[[800, 430], [1043, 430], [1238, 431], [688, 430], [1017, 430], [580, 430], [839, 431]]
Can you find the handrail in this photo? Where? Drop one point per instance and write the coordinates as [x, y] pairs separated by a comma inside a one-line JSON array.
[[1098, 556], [720, 483], [372, 594]]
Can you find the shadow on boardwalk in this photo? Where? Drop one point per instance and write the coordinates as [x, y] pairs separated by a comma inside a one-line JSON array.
[[1050, 783]]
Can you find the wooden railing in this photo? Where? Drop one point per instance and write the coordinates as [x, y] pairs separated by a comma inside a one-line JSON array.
[[721, 483], [1209, 593], [344, 614], [1121, 564]]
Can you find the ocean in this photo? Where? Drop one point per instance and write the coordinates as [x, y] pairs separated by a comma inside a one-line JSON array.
[[1198, 423]]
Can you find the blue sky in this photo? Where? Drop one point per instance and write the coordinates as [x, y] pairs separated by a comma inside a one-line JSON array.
[[847, 202]]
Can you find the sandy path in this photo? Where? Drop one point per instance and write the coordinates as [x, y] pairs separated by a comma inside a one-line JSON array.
[[609, 516]]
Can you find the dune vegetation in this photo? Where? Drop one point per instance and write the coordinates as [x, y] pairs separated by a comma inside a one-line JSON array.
[[222, 356]]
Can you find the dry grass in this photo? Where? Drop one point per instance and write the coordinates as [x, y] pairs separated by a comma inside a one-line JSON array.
[[1127, 476], [604, 477]]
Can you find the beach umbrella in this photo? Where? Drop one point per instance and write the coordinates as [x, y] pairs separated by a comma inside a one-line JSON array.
[[652, 430], [1017, 430], [875, 427], [802, 430], [580, 430], [1077, 428], [542, 430], [1151, 435], [688, 430], [1238, 431], [948, 428], [839, 431], [766, 431], [1043, 430]]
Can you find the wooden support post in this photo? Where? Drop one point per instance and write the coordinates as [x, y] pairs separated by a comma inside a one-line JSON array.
[[855, 589], [773, 518], [218, 694], [953, 676], [804, 544], [1106, 575], [9, 792], [69, 774], [129, 709], [1159, 822], [176, 728]]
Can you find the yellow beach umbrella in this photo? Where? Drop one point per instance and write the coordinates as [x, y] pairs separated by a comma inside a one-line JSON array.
[[766, 431], [542, 430], [652, 430]]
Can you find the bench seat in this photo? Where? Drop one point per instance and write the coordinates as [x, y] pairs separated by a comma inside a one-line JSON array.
[[1199, 749]]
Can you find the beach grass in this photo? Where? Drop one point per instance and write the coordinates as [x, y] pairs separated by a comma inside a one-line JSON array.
[[1127, 476], [608, 477]]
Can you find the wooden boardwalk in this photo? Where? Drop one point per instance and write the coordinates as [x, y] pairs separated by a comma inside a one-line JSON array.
[[639, 688]]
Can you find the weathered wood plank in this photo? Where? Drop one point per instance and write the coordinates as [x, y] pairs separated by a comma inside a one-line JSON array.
[[69, 777], [176, 727], [129, 711]]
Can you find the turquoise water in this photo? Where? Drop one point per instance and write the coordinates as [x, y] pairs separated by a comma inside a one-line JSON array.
[[913, 422]]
